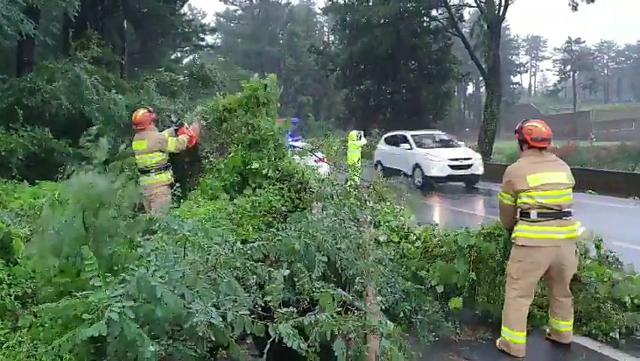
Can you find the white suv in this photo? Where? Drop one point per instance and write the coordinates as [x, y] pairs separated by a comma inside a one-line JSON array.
[[428, 156]]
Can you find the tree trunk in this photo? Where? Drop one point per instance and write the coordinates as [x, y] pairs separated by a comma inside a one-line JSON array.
[[574, 91], [535, 81], [619, 84], [530, 88], [26, 49], [124, 44], [67, 26], [607, 90], [493, 88]]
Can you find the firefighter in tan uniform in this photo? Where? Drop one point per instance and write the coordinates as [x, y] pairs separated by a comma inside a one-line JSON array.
[[535, 206], [151, 148]]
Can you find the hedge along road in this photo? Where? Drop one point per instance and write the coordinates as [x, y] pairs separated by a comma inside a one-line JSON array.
[[452, 206]]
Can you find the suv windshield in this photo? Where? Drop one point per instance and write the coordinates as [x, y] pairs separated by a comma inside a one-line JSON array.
[[433, 141]]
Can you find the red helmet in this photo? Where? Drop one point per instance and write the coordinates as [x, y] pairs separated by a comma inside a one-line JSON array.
[[143, 118], [535, 133]]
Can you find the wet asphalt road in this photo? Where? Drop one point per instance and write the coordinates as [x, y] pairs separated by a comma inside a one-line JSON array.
[[452, 206], [538, 349]]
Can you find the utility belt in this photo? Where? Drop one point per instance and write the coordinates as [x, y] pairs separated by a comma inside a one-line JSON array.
[[156, 170], [536, 215]]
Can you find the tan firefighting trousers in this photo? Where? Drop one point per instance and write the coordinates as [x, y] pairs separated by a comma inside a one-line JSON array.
[[526, 266], [157, 199]]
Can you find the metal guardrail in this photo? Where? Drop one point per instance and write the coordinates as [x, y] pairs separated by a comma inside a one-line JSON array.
[[607, 182]]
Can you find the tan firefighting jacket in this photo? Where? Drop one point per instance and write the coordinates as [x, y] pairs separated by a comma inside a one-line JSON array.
[[152, 149], [538, 182]]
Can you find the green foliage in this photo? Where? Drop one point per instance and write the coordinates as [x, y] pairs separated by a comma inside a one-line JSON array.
[[261, 254], [394, 62], [71, 111], [18, 205], [32, 153], [14, 23], [281, 38], [66, 97]]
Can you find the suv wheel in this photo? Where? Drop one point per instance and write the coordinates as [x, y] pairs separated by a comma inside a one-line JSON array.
[[472, 181], [380, 169], [417, 178]]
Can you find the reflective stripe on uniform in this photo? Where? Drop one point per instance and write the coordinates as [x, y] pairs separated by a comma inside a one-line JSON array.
[[507, 199], [157, 178], [548, 232], [151, 160], [518, 338], [561, 196], [538, 179], [560, 326], [172, 144], [139, 145]]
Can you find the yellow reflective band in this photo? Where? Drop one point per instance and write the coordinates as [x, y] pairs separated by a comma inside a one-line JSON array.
[[518, 338], [507, 199], [548, 232], [151, 160], [155, 179], [139, 145], [539, 179], [557, 192], [561, 196], [527, 227], [561, 326], [172, 144]]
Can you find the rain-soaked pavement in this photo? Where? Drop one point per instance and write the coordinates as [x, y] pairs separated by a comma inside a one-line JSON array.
[[538, 349]]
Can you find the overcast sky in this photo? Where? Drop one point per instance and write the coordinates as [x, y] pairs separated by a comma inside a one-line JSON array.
[[606, 19]]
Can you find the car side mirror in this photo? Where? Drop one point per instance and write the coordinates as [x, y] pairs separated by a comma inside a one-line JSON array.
[[405, 146]]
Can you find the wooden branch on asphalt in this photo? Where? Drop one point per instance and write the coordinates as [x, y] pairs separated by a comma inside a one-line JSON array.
[[467, 44]]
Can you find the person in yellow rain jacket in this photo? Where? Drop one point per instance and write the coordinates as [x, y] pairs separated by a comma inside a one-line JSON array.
[[535, 206], [151, 148], [355, 142]]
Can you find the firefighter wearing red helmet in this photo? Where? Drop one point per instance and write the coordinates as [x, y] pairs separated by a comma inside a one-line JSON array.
[[151, 148], [535, 207]]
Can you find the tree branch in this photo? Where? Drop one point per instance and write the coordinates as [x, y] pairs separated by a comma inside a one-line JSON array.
[[505, 8], [467, 45], [479, 6]]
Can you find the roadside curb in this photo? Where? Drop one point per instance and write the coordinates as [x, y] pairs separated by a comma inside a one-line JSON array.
[[603, 349]]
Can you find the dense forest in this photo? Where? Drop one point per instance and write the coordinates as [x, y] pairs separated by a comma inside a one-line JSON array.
[[260, 258], [344, 65]]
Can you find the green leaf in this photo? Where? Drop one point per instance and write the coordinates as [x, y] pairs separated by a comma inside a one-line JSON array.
[[95, 330], [326, 302], [340, 349], [455, 304]]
